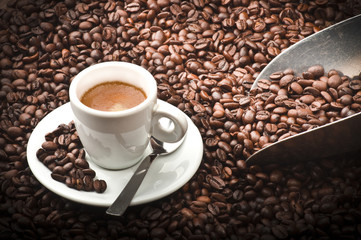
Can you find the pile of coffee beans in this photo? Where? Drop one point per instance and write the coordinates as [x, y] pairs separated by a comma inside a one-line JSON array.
[[205, 55], [284, 105], [63, 153]]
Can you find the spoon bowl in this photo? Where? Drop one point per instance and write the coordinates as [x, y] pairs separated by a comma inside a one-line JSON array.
[[337, 47]]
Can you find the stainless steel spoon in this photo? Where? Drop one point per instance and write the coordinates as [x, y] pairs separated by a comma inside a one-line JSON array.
[[336, 47], [122, 202]]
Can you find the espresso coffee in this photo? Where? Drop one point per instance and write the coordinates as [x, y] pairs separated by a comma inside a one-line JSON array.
[[113, 96]]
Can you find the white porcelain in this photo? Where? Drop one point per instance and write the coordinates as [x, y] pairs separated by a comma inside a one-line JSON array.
[[117, 140], [166, 174]]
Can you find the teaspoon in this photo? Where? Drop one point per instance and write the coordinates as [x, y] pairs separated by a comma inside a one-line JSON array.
[[122, 202]]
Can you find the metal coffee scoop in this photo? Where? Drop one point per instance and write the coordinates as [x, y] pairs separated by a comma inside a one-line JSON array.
[[336, 47]]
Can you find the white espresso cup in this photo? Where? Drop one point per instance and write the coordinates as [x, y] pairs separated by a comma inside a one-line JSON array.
[[117, 140]]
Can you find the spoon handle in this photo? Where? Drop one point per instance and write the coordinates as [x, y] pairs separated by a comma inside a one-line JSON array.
[[125, 197]]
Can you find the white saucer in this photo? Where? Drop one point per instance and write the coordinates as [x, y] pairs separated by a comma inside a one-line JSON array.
[[166, 174]]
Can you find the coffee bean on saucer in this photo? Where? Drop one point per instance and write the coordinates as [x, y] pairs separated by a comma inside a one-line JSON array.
[[81, 163], [99, 185], [58, 177]]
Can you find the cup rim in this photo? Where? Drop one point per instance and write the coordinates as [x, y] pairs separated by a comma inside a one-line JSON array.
[[75, 101]]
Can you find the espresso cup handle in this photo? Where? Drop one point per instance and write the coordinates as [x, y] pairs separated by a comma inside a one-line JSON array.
[[168, 131]]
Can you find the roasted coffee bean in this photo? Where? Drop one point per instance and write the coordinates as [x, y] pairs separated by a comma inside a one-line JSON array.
[[49, 146], [58, 177], [81, 163], [99, 185]]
